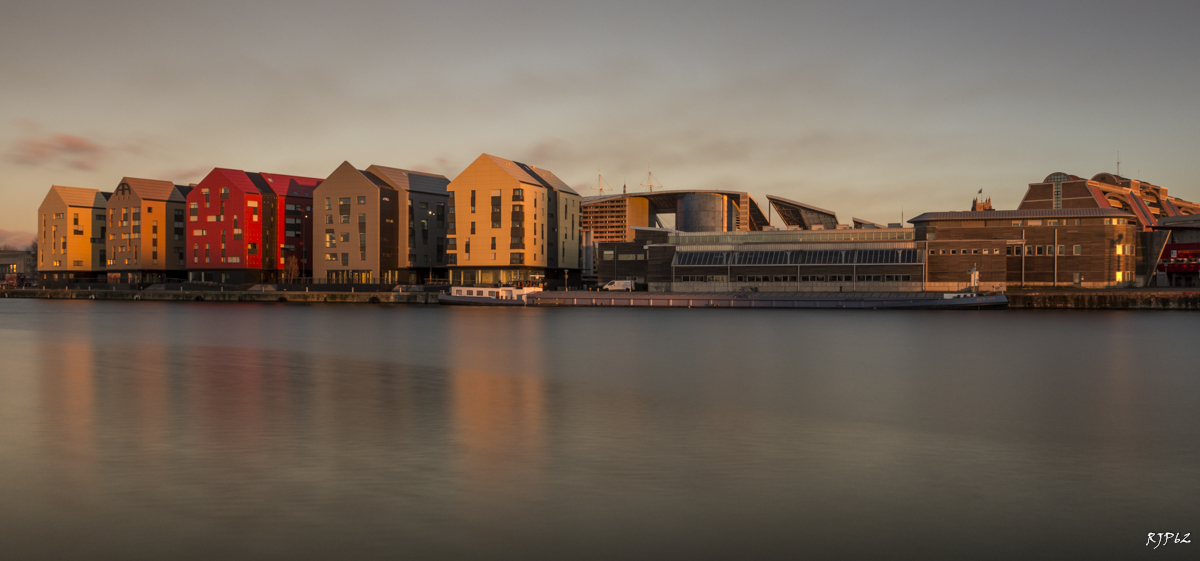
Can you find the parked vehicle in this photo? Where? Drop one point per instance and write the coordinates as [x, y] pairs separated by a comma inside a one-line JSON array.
[[626, 285]]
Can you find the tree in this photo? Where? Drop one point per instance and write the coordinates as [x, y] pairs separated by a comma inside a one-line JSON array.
[[291, 268]]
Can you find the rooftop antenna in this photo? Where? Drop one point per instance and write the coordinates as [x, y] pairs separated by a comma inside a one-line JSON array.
[[1118, 163], [650, 179], [600, 184]]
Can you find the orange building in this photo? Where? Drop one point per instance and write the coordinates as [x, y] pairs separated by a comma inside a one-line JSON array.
[[512, 223], [71, 233], [146, 238]]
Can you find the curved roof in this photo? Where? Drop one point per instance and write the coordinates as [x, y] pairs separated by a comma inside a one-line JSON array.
[[664, 202]]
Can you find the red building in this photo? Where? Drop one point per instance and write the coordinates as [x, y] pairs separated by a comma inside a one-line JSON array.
[[249, 227]]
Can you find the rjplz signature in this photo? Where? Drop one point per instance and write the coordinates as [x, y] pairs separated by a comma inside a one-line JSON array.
[[1164, 538]]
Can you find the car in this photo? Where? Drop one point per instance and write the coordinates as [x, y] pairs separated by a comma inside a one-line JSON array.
[[626, 285]]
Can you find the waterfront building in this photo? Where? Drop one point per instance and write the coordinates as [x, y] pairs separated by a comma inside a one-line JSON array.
[[613, 218], [249, 227], [1082, 247], [845, 260], [71, 233], [1148, 204], [17, 266], [380, 224], [146, 231], [1176, 257], [512, 223]]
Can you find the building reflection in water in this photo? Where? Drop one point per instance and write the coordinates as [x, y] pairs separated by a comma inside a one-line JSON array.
[[497, 387], [67, 379]]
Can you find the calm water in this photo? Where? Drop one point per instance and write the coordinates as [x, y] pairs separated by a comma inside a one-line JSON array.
[[225, 431]]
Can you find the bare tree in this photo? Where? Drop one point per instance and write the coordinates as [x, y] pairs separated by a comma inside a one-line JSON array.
[[291, 268]]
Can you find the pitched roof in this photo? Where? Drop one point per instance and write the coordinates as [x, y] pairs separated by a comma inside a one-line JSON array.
[[411, 180], [1007, 214], [80, 196], [290, 185], [154, 189], [531, 175]]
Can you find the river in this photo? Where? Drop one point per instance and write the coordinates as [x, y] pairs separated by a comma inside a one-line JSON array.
[[142, 430]]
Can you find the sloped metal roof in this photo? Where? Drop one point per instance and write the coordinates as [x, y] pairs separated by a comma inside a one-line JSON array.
[[154, 189], [1007, 214], [411, 180], [80, 196]]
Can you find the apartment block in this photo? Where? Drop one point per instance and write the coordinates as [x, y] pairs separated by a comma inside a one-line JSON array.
[[247, 227], [71, 233], [512, 223], [381, 224], [146, 240]]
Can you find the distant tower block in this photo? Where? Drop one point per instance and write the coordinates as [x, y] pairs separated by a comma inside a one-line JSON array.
[[702, 212]]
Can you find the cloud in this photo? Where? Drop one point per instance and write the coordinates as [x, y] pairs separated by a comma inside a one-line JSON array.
[[76, 152], [18, 240]]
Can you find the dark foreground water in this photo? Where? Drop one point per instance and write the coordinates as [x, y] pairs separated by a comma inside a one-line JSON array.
[[220, 431]]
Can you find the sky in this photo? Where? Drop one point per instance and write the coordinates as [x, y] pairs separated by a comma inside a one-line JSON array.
[[870, 109]]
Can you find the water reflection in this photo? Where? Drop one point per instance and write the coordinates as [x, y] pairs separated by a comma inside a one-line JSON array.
[[227, 431]]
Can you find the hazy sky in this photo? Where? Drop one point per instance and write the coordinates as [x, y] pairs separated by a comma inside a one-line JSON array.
[[858, 107]]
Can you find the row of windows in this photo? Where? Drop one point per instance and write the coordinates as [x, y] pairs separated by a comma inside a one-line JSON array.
[[792, 278], [806, 257]]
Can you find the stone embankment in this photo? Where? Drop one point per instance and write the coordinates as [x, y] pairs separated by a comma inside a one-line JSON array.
[[1105, 300], [230, 296]]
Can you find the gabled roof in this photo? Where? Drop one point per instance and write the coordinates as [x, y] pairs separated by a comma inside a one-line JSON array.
[[79, 196], [262, 183], [409, 180], [531, 175], [154, 189], [290, 185], [1008, 214]]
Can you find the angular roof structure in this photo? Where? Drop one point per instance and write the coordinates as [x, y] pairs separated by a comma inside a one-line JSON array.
[[802, 215]]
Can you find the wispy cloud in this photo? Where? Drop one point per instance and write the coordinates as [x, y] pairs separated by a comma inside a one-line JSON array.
[[39, 148], [15, 239]]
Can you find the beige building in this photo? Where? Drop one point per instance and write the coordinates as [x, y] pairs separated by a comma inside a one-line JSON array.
[[512, 223], [146, 239], [71, 233], [380, 224]]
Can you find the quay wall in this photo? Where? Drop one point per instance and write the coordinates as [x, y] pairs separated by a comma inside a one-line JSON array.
[[1105, 300], [230, 296]]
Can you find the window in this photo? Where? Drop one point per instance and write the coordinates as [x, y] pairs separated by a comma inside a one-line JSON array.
[[345, 219], [472, 225], [345, 259], [516, 259], [608, 256], [345, 236], [974, 252], [224, 192], [331, 257], [1016, 223], [1039, 249], [1062, 250], [251, 249], [1120, 250], [362, 200], [329, 219], [493, 242], [933, 252], [472, 209], [953, 252]]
